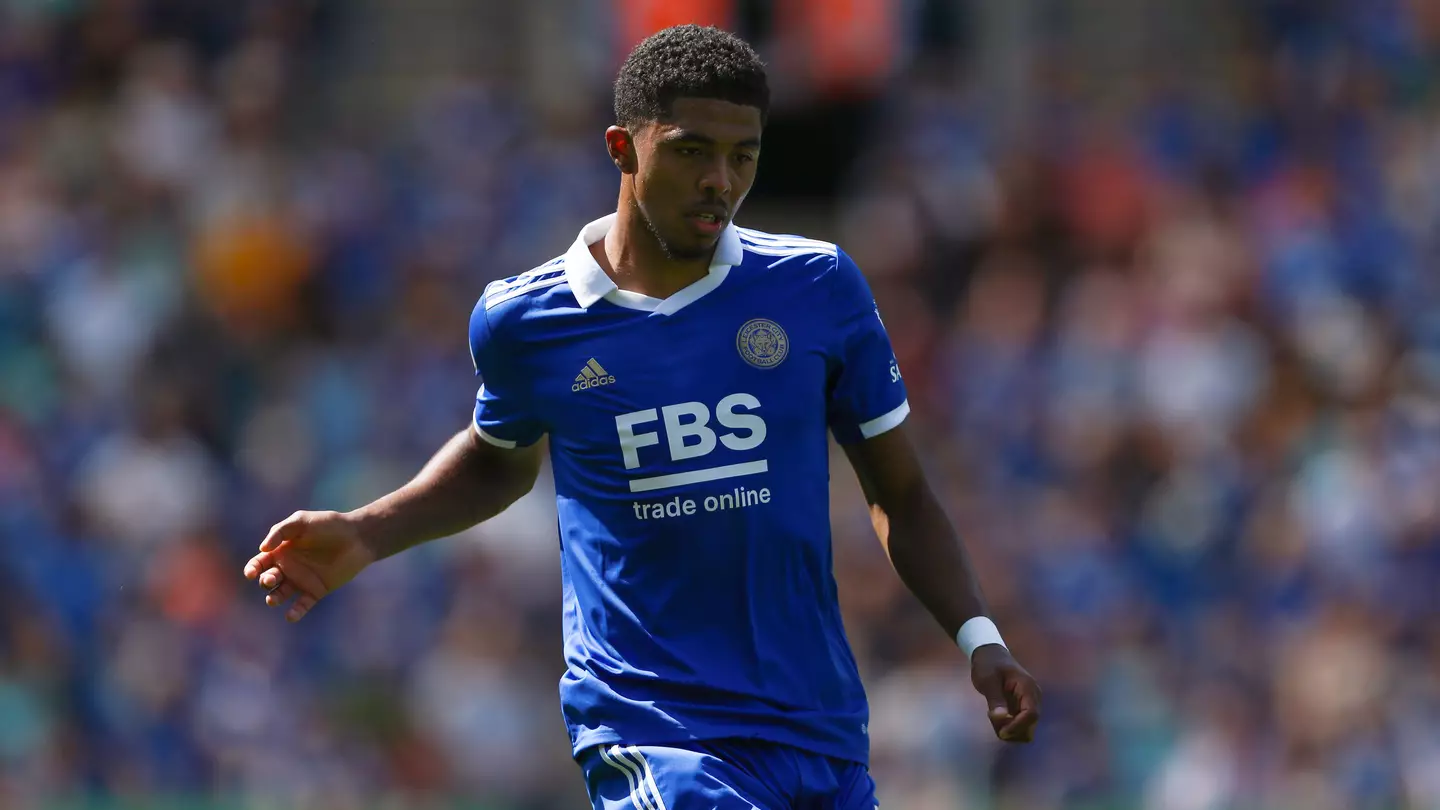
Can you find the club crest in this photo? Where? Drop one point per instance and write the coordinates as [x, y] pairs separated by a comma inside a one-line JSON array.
[[762, 343]]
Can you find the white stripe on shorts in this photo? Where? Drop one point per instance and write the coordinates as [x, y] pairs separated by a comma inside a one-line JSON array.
[[649, 776], [614, 758]]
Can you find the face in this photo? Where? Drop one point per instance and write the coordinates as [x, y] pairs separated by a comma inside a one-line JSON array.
[[692, 171]]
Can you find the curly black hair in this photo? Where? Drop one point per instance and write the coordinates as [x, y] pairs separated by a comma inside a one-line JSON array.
[[688, 61]]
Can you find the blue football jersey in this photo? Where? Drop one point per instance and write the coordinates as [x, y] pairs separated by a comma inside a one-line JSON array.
[[688, 438]]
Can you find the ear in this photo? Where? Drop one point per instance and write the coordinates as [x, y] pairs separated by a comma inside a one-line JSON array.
[[621, 146]]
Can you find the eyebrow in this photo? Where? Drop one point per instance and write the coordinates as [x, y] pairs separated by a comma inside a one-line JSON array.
[[689, 136]]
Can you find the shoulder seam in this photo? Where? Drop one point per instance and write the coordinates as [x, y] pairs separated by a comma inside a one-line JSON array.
[[531, 285], [760, 237], [791, 250], [777, 246]]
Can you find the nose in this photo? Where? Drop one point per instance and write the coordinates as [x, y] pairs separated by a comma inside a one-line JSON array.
[[716, 179]]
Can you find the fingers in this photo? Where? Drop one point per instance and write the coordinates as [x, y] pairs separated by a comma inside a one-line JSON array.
[[1011, 696], [1021, 729], [304, 587], [1024, 706], [280, 595], [272, 578], [992, 687], [301, 607], [288, 529], [264, 561], [280, 589], [999, 713]]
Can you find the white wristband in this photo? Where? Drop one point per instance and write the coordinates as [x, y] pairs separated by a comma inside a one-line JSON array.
[[978, 632]]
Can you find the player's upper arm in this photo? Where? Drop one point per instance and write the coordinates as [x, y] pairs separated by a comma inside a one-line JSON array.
[[511, 470], [890, 475], [504, 413], [866, 395]]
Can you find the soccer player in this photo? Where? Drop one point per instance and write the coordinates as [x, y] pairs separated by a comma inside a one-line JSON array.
[[687, 372]]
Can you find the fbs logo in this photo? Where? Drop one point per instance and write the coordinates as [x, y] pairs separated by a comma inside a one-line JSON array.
[[684, 429], [592, 375]]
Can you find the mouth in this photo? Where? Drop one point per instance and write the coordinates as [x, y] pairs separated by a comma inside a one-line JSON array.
[[706, 222]]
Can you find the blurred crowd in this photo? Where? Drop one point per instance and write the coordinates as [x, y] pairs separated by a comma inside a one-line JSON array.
[[1174, 358]]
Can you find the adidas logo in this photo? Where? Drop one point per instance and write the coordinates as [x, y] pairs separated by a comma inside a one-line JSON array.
[[592, 375]]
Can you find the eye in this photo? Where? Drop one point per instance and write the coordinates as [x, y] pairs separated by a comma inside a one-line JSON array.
[[745, 157], [688, 151]]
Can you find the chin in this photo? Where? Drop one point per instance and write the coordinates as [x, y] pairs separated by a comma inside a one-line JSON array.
[[689, 248]]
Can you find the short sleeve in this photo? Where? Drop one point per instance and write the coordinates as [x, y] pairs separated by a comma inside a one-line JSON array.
[[866, 395], [502, 411]]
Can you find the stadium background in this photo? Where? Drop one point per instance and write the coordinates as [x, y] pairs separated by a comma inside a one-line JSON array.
[[1162, 278]]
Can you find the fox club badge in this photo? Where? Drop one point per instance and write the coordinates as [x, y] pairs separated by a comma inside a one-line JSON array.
[[762, 343]]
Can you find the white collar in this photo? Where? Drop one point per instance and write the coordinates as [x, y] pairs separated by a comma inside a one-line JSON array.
[[590, 283]]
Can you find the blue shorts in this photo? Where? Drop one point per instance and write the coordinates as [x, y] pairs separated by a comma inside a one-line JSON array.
[[723, 775]]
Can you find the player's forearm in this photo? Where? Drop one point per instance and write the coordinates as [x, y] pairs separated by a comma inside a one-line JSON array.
[[465, 483], [931, 560]]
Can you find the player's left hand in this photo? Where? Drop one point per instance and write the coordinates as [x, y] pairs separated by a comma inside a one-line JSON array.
[[1012, 695]]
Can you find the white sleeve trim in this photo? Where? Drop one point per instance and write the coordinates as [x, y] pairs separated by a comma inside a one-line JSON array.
[[504, 444], [889, 421], [495, 440]]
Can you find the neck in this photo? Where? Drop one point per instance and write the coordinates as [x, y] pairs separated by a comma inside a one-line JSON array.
[[631, 253]]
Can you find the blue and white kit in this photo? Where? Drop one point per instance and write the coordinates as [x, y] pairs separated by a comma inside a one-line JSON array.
[[689, 443]]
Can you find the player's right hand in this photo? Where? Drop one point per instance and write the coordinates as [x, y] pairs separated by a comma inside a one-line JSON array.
[[307, 556]]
